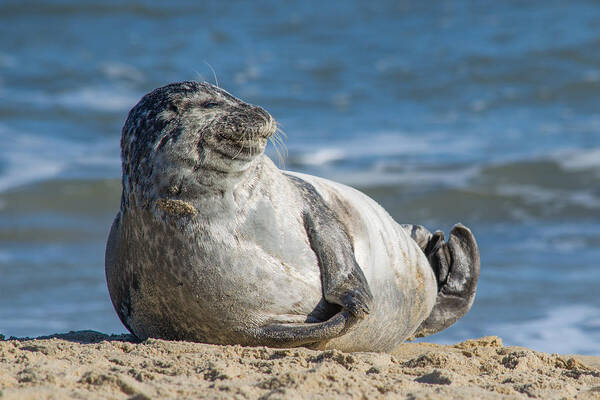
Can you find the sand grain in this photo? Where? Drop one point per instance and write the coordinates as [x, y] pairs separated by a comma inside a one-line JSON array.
[[92, 365]]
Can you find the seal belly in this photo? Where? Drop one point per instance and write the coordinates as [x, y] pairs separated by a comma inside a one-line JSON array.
[[239, 278], [276, 249], [401, 280]]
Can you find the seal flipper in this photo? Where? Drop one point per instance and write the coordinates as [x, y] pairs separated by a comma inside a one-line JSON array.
[[343, 282], [342, 278], [294, 334], [433, 246], [456, 264]]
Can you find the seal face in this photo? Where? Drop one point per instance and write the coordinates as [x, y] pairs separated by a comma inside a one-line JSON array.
[[214, 243]]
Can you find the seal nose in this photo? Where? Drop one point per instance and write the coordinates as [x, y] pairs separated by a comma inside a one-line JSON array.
[[269, 127], [263, 113]]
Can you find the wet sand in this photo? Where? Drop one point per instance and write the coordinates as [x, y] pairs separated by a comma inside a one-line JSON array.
[[89, 364]]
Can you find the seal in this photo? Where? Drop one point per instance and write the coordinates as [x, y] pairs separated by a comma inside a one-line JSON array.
[[214, 243]]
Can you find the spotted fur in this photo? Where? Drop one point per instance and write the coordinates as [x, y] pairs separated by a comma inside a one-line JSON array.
[[214, 243]]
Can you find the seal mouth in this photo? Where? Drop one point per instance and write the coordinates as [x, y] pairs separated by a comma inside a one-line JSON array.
[[235, 132], [244, 150], [235, 145], [241, 138]]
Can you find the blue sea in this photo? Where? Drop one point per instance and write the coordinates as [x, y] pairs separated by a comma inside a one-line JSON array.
[[485, 112]]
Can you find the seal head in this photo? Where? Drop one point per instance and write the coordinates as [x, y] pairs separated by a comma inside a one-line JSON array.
[[181, 138]]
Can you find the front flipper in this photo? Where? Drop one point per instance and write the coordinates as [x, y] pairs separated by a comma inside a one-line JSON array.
[[302, 334], [341, 277]]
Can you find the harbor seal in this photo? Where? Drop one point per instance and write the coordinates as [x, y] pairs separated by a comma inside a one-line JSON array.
[[213, 243]]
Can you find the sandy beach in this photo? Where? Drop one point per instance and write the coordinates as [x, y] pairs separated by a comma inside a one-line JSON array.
[[89, 364]]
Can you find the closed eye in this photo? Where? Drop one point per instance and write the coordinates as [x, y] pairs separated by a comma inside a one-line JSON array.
[[210, 104]]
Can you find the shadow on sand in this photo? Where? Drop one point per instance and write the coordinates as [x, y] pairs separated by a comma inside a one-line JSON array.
[[83, 337]]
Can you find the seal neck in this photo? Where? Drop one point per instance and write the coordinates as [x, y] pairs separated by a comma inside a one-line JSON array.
[[212, 179], [226, 190], [207, 188]]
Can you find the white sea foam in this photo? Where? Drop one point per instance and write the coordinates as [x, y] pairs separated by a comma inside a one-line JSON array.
[[385, 144], [578, 159], [101, 99], [573, 237], [321, 157], [27, 158], [533, 194], [567, 330], [121, 71], [454, 178], [91, 98], [393, 158]]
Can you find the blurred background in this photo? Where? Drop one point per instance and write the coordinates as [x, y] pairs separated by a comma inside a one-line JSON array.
[[481, 112]]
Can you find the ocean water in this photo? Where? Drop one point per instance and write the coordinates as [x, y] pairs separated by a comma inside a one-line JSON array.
[[483, 112]]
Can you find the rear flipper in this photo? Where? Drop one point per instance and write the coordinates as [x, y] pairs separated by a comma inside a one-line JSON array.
[[456, 267]]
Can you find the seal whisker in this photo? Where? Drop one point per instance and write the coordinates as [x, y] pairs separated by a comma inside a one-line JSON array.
[[214, 73], [279, 147], [280, 158], [199, 76], [279, 129], [280, 136], [241, 146]]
